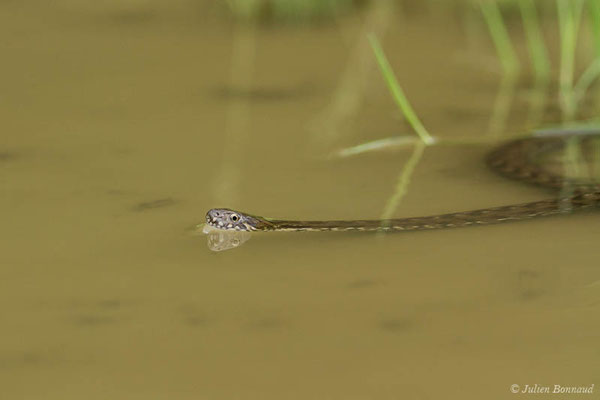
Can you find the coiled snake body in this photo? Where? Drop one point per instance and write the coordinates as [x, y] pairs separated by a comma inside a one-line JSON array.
[[515, 159]]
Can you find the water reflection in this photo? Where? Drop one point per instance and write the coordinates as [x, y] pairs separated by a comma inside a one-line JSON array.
[[243, 59], [348, 98], [221, 240], [502, 104]]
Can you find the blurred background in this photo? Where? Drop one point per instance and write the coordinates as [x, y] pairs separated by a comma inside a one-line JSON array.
[[125, 121]]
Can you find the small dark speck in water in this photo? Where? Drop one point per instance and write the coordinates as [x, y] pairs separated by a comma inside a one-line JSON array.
[[458, 341], [194, 316], [396, 325], [93, 320], [528, 274], [529, 294], [24, 359], [530, 285], [7, 156], [149, 205], [196, 320], [110, 304]]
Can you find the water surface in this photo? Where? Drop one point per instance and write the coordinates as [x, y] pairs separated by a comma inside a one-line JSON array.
[[123, 125]]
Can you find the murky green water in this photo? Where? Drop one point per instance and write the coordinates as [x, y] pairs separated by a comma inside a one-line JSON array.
[[123, 124]]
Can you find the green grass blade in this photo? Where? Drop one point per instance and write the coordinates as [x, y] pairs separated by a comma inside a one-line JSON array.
[[594, 13], [535, 39], [375, 145], [569, 17], [398, 93], [500, 37], [591, 73]]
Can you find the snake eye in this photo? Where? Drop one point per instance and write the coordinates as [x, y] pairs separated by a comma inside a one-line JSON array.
[[234, 218]]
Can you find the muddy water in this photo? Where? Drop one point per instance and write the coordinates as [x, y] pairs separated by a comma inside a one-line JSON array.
[[123, 124]]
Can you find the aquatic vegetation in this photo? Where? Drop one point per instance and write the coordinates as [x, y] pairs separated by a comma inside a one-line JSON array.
[[398, 93], [538, 53], [569, 18], [571, 90], [499, 33]]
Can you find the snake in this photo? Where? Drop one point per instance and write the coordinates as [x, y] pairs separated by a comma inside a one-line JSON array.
[[515, 159]]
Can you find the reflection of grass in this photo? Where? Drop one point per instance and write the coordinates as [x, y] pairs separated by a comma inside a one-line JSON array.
[[572, 162], [403, 181], [596, 160], [279, 10], [502, 103]]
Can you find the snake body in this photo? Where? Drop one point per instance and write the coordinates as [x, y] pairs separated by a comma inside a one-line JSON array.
[[515, 160]]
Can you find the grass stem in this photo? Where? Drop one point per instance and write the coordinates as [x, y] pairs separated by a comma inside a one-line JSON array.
[[398, 93], [569, 16], [535, 39], [500, 37], [591, 73], [594, 13]]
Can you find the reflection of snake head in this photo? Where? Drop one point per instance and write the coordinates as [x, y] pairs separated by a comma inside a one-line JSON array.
[[220, 240], [224, 218]]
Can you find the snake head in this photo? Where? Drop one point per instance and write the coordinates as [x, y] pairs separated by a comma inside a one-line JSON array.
[[224, 218]]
